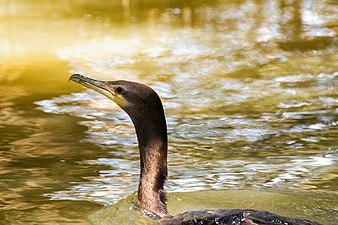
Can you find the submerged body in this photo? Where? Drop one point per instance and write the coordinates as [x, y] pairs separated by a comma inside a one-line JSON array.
[[234, 217], [145, 109]]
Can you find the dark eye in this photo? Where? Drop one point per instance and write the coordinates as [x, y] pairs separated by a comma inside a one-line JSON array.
[[119, 90]]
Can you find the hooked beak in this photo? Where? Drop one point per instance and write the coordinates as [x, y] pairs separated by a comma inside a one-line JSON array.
[[102, 87]]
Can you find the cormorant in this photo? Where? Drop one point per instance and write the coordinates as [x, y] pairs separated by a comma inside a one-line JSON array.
[[145, 109]]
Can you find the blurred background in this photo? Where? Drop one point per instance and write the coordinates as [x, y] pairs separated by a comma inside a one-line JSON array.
[[249, 89]]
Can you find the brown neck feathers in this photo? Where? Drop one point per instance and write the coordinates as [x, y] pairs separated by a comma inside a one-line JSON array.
[[151, 133], [153, 175]]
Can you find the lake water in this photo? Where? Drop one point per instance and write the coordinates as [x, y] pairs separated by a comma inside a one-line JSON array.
[[249, 90]]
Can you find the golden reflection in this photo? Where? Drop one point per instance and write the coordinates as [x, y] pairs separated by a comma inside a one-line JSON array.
[[249, 88], [295, 24], [9, 71]]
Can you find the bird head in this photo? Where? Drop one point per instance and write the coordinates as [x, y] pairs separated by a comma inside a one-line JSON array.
[[134, 98]]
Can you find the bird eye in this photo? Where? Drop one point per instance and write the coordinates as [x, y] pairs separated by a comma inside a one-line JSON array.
[[119, 90]]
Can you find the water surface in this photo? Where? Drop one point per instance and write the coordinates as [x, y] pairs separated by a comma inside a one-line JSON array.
[[249, 90]]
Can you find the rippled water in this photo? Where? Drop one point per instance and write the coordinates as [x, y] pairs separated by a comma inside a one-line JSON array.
[[249, 90]]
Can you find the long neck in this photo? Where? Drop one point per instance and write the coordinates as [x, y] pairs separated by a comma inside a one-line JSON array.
[[151, 133]]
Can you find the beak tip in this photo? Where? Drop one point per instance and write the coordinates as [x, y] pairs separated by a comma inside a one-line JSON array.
[[75, 77]]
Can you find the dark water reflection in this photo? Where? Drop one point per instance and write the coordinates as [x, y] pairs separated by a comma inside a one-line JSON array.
[[249, 88]]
